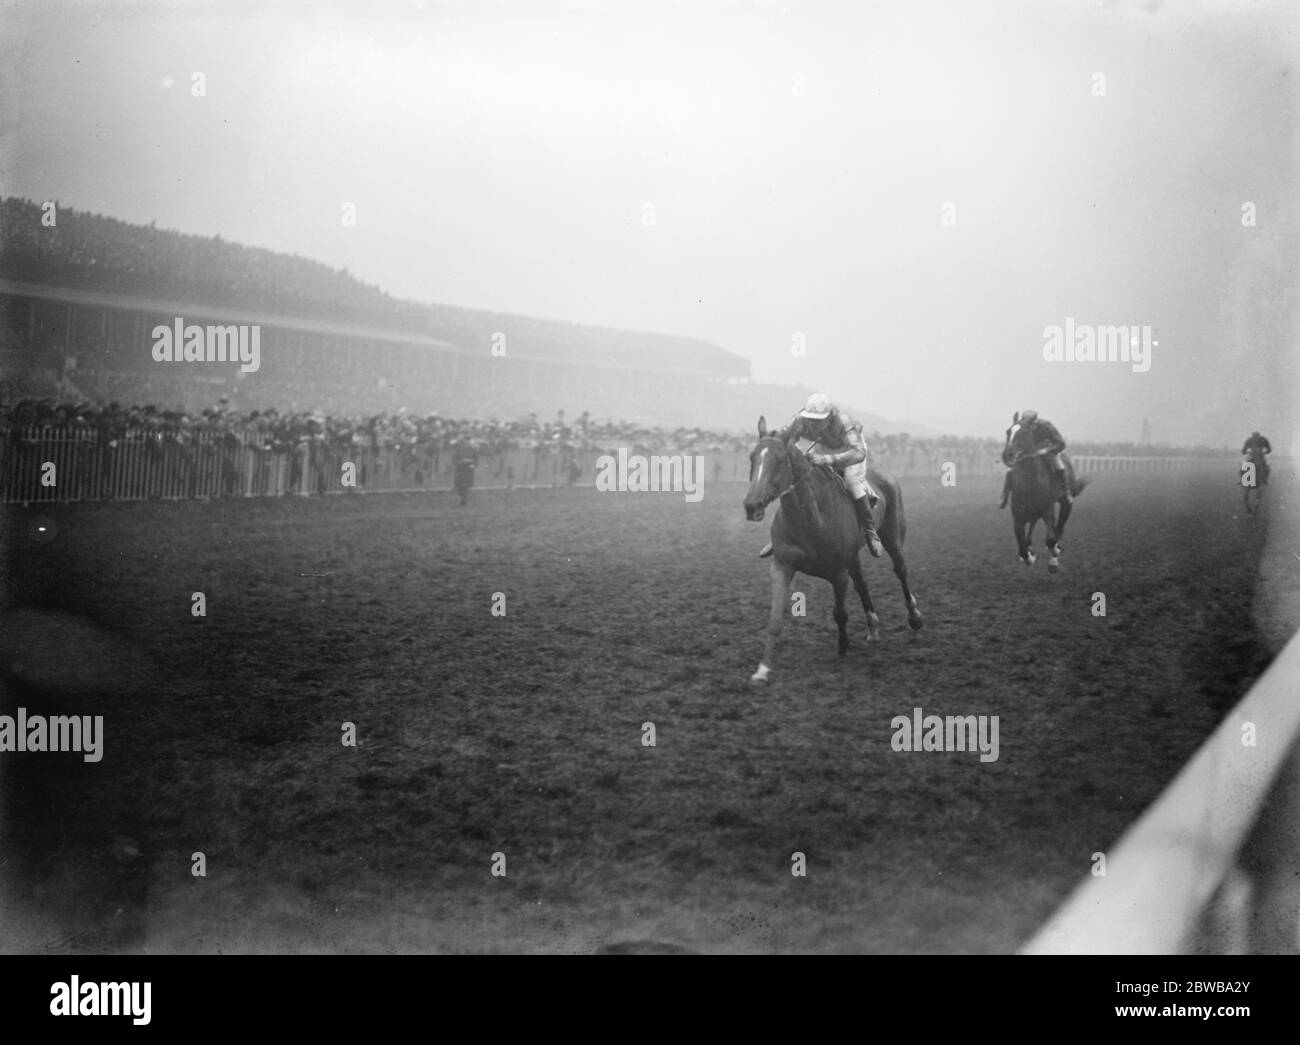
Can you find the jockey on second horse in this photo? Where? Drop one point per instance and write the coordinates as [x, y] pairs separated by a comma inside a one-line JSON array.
[[1047, 441], [840, 443], [1256, 446]]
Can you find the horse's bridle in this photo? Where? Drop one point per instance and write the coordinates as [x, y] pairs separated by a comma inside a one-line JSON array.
[[777, 497], [1023, 455]]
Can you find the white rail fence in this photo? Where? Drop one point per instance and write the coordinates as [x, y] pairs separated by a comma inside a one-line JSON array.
[[149, 463], [61, 465], [48, 464], [1213, 866], [1089, 463]]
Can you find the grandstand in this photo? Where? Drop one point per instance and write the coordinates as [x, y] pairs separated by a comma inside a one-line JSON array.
[[79, 299]]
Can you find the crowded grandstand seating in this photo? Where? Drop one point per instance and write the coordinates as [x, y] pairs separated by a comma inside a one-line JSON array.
[[99, 253], [96, 253]]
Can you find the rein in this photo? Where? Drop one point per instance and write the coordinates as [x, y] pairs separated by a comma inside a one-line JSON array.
[[789, 488]]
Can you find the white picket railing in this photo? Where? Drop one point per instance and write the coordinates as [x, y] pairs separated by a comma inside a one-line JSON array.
[[1086, 463], [1175, 881], [144, 463]]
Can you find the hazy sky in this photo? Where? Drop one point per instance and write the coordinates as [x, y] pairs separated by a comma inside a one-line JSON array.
[[798, 159]]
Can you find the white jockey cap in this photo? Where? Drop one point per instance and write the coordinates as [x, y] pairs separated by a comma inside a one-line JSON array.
[[817, 407], [1028, 415]]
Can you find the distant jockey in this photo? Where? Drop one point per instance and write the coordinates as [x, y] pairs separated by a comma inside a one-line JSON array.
[[1256, 442], [1256, 450], [464, 451], [1045, 440], [840, 443]]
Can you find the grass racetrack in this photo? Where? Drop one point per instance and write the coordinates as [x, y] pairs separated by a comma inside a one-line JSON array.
[[522, 734]]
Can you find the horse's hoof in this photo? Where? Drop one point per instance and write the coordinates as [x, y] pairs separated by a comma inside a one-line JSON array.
[[1052, 567], [915, 622], [761, 674]]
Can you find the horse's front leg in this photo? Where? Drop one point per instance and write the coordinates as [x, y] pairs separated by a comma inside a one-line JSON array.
[[1018, 527], [1025, 539], [782, 576], [841, 586]]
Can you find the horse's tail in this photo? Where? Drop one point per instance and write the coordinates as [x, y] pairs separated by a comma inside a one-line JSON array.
[[895, 520], [1076, 487]]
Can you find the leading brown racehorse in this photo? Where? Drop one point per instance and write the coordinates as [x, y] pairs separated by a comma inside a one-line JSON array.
[[816, 531]]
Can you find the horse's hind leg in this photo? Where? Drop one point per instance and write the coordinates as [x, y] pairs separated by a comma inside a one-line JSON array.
[[1061, 516], [892, 536], [1054, 536], [782, 575], [841, 586], [860, 584], [895, 549], [1049, 539]]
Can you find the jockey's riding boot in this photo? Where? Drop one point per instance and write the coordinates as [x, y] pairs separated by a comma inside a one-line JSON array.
[[1006, 491], [868, 526], [767, 550]]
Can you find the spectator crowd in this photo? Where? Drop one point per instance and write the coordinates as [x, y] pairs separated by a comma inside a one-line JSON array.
[[429, 437]]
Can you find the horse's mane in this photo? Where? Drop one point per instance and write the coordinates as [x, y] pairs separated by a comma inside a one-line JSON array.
[[1030, 434]]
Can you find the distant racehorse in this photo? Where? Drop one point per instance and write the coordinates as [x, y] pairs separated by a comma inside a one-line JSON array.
[[816, 532], [1036, 493], [1253, 480]]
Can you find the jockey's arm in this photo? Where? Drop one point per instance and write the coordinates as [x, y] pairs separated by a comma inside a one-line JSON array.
[[856, 451], [1054, 443]]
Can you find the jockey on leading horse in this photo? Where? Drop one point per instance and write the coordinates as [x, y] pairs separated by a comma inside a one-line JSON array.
[[840, 443], [1045, 440]]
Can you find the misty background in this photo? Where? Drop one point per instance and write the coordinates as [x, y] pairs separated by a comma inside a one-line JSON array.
[[798, 160]]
